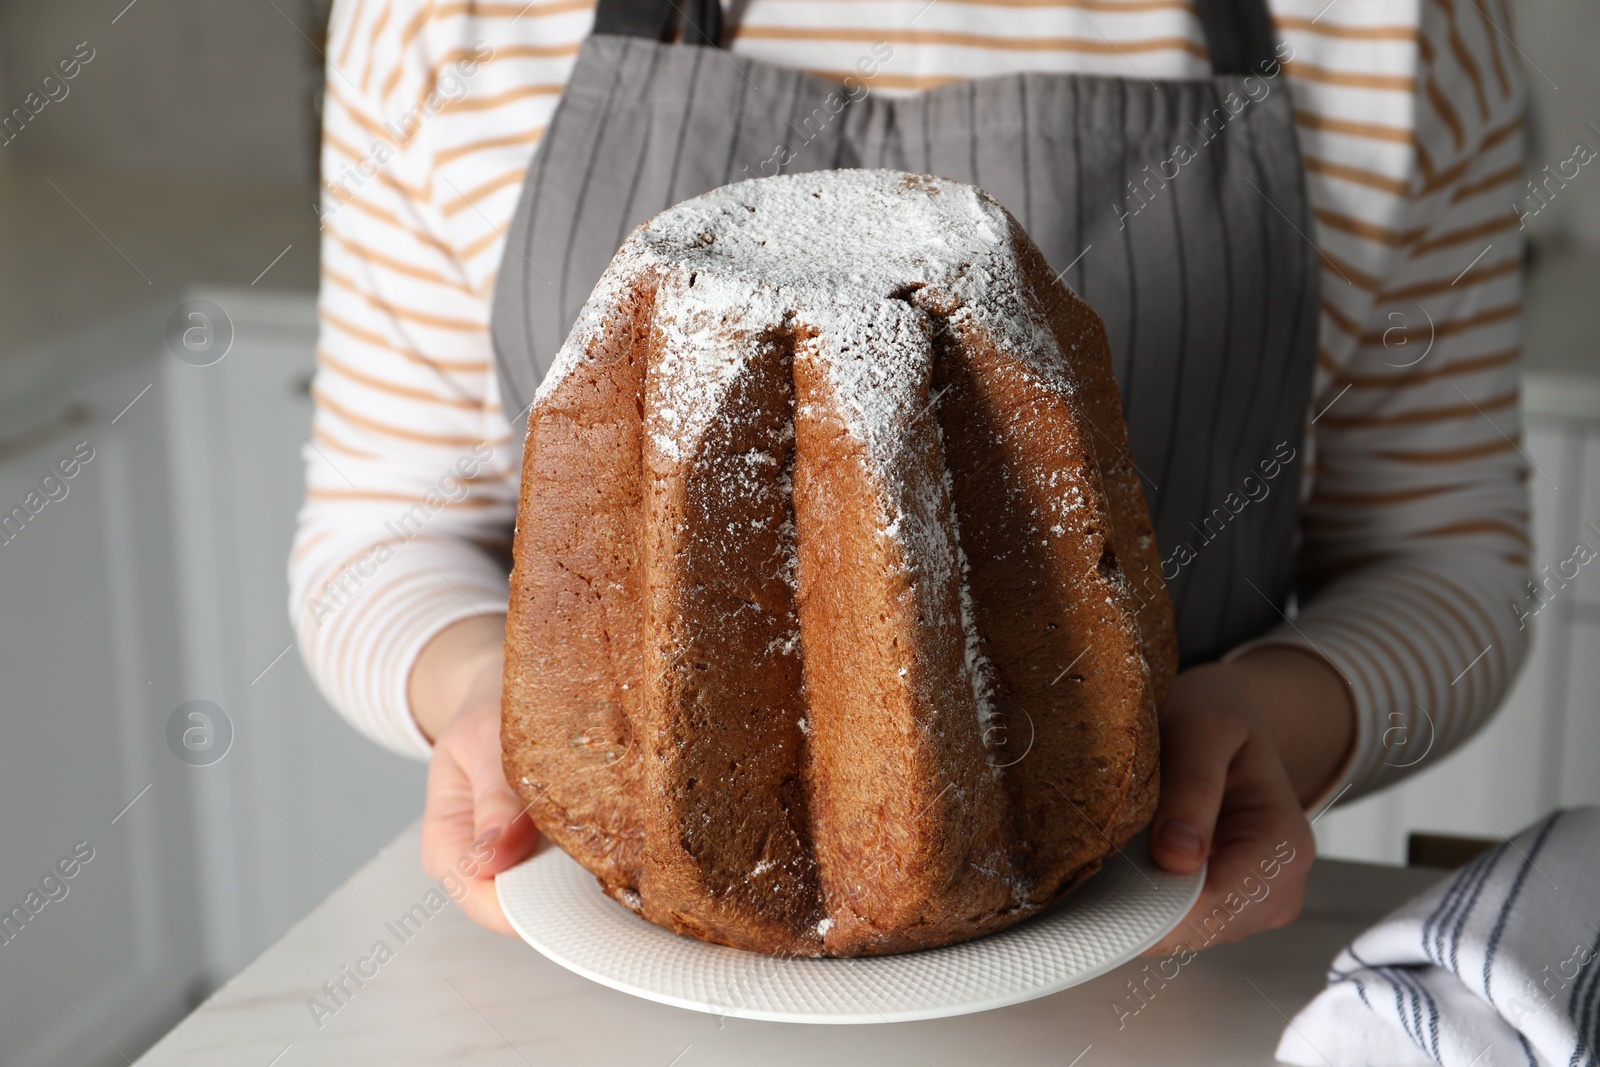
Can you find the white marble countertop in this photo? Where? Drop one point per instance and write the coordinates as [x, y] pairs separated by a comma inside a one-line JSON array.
[[455, 993]]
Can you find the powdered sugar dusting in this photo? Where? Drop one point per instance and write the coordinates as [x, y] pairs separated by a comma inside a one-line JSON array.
[[825, 250], [854, 259], [705, 343], [879, 362]]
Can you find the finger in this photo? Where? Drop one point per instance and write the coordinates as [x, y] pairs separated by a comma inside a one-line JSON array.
[[1260, 859], [509, 833], [1196, 752], [1261, 888], [482, 905], [1262, 830]]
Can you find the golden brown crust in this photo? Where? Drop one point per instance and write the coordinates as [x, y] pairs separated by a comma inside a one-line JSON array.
[[573, 633], [1079, 330]]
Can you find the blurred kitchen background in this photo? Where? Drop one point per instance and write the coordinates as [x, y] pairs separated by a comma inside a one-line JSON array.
[[180, 166]]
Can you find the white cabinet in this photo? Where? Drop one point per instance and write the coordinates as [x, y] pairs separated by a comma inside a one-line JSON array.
[[88, 674], [157, 579], [302, 799]]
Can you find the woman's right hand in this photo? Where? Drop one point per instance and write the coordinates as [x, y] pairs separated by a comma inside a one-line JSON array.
[[473, 825]]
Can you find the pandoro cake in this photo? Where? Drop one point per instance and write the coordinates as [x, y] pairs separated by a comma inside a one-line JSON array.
[[823, 638]]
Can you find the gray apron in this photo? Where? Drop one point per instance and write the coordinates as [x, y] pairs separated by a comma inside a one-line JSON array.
[[1176, 208]]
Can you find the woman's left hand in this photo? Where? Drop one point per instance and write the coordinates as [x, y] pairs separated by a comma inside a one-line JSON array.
[[1244, 745], [473, 824]]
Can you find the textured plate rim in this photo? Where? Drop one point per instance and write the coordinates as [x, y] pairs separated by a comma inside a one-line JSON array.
[[548, 854]]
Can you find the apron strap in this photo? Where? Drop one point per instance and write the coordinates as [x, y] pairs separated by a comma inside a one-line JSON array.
[[1239, 35], [653, 19], [1238, 32]]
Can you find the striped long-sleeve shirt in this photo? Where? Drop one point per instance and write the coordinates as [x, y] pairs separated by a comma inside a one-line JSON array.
[[1409, 116]]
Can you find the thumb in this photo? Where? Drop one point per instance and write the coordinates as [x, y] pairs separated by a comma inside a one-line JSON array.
[[503, 829], [1196, 752], [503, 833]]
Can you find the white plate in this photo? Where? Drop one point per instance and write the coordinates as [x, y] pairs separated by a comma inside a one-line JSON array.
[[558, 908]]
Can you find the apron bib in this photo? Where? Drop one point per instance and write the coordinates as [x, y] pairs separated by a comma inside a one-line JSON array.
[[1176, 208]]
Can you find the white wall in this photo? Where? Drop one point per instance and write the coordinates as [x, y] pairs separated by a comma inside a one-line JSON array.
[[1557, 40], [187, 87]]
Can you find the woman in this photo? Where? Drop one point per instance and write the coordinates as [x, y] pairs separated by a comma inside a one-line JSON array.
[[1295, 223]]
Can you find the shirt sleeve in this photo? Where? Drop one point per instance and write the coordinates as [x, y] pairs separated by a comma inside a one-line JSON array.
[[411, 470], [1414, 550]]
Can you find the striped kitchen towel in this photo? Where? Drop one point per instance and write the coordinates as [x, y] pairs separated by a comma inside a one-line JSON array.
[[1495, 967]]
